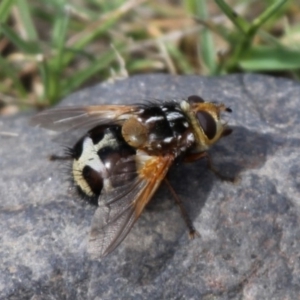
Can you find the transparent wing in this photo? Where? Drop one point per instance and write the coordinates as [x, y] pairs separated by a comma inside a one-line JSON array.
[[120, 207], [84, 117]]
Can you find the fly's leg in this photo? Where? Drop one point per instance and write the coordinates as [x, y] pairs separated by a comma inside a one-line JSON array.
[[54, 157], [197, 156], [192, 231]]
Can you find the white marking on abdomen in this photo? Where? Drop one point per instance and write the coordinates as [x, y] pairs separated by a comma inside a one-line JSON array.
[[174, 116], [168, 139], [154, 119], [89, 157]]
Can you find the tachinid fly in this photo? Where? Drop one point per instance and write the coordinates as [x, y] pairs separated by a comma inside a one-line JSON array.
[[126, 153]]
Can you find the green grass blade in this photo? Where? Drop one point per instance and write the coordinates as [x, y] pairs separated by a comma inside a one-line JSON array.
[[45, 79], [80, 77], [9, 72], [101, 26], [5, 7], [265, 58], [206, 46], [59, 34], [27, 21], [85, 38], [238, 21], [51, 80], [180, 59], [267, 14], [143, 65], [218, 29], [22, 45]]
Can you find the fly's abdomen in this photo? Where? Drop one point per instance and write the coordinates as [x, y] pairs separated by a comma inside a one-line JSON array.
[[100, 160]]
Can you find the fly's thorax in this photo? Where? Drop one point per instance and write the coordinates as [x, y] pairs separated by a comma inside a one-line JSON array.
[[97, 157], [159, 129], [205, 119]]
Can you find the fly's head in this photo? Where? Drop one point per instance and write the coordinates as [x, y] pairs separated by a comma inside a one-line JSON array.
[[206, 119]]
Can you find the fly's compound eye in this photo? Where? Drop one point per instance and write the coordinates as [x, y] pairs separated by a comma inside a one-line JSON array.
[[195, 99], [207, 123]]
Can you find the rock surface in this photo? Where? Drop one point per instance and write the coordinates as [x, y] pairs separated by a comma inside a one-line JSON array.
[[250, 231]]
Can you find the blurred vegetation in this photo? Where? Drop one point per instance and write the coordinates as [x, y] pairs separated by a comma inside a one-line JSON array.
[[50, 48]]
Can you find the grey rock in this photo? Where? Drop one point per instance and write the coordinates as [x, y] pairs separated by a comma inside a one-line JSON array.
[[250, 231]]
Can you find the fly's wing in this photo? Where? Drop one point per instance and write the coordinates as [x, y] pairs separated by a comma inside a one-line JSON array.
[[73, 122], [81, 117], [120, 207]]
